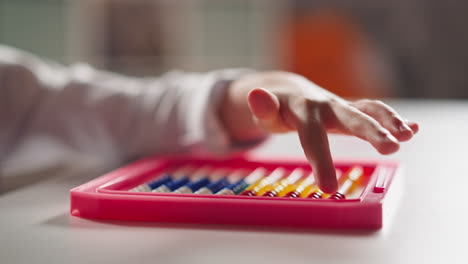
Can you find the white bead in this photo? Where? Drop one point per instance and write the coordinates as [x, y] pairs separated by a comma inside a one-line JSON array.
[[183, 189], [141, 188], [225, 191], [162, 189], [204, 190]]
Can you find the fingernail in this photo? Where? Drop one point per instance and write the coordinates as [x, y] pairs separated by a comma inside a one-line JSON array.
[[404, 127]]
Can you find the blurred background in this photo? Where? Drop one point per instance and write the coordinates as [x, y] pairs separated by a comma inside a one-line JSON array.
[[371, 48]]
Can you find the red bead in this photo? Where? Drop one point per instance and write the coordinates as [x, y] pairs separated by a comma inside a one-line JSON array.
[[293, 194], [338, 196], [315, 195], [248, 193], [270, 194]]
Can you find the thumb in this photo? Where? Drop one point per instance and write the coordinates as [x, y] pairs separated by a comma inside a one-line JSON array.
[[265, 107]]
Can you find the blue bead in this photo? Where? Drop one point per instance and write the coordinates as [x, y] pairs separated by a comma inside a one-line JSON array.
[[213, 184], [160, 181], [239, 186], [231, 186], [173, 185], [195, 185], [218, 185]]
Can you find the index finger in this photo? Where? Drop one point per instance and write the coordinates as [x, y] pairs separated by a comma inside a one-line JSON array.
[[314, 142]]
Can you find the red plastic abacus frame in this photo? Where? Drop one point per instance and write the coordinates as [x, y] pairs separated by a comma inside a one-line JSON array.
[[107, 197]]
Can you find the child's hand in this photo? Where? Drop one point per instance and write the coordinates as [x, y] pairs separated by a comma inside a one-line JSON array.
[[281, 102]]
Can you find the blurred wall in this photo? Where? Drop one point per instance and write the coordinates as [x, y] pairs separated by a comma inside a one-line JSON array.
[[37, 26], [410, 48]]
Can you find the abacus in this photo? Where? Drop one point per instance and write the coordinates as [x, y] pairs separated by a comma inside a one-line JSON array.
[[239, 191]]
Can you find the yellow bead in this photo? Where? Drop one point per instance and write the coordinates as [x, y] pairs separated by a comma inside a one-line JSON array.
[[274, 176], [288, 189], [351, 179], [280, 185], [308, 190]]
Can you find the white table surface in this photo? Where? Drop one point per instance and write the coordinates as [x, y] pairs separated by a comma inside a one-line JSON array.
[[430, 224]]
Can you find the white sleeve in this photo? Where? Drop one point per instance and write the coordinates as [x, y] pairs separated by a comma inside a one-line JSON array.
[[109, 116]]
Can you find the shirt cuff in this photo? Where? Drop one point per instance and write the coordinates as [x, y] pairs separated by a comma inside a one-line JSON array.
[[215, 138]]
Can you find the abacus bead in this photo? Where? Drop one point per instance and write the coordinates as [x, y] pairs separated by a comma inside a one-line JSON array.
[[198, 184], [240, 186], [217, 186], [141, 188], [158, 182], [292, 194], [213, 187], [183, 189], [338, 196], [287, 190], [162, 189], [315, 195], [248, 193], [204, 190], [173, 185], [146, 188], [270, 194], [225, 191]]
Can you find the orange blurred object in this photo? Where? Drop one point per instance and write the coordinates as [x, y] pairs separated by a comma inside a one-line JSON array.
[[329, 49]]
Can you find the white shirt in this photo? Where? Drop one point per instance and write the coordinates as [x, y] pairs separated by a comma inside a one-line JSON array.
[[51, 114]]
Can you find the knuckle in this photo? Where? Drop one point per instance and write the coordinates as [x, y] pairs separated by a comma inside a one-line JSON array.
[[397, 121], [319, 111], [355, 122], [378, 103], [365, 101], [382, 135], [384, 108], [316, 106]]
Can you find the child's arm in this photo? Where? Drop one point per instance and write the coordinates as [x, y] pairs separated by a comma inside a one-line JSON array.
[[280, 102], [105, 117], [114, 117]]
